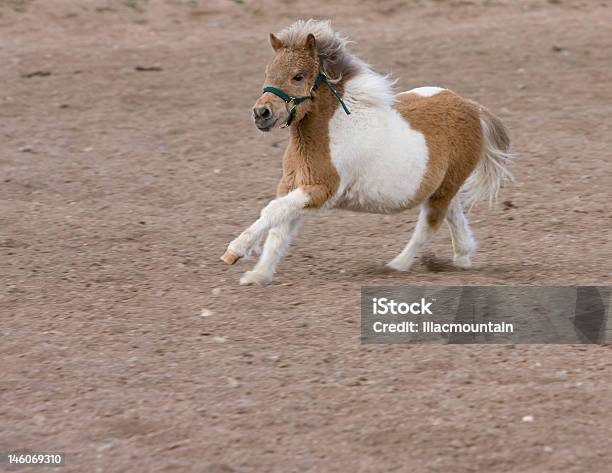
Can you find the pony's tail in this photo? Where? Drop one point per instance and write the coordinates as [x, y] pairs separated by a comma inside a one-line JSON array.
[[492, 170]]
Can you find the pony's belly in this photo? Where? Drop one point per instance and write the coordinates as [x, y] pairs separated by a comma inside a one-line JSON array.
[[366, 195], [359, 204]]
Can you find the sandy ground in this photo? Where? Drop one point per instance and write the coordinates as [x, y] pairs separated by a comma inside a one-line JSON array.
[[121, 188]]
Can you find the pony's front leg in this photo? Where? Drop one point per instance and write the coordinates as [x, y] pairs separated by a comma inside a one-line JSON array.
[[277, 243], [278, 212]]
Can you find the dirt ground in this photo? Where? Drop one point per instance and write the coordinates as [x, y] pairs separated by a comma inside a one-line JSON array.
[[120, 188]]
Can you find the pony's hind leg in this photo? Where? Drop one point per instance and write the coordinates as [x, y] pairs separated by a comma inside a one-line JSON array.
[[464, 244], [276, 246], [430, 217]]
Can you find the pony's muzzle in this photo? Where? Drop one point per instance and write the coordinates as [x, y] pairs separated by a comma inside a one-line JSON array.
[[262, 113], [264, 118]]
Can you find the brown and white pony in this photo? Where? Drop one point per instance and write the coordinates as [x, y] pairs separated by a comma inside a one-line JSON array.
[[427, 147]]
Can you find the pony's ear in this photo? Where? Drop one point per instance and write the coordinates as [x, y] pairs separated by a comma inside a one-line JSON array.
[[275, 42], [311, 44]]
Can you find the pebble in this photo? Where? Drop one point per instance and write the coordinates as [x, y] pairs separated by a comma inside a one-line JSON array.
[[39, 419], [220, 339], [205, 313], [216, 291], [528, 419], [106, 446]]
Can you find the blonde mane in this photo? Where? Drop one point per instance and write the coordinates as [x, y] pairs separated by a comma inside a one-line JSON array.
[[339, 64], [336, 61]]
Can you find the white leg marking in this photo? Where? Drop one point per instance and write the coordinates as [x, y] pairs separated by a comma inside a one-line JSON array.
[[276, 213], [464, 244], [276, 246], [422, 234]]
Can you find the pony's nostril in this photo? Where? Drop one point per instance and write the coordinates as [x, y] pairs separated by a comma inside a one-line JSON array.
[[262, 112]]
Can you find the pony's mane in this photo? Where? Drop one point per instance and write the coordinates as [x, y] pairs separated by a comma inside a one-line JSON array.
[[336, 61]]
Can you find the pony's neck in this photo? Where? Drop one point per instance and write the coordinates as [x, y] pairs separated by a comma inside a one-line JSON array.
[[311, 131]]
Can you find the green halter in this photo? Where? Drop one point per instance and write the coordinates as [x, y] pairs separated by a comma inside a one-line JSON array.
[[295, 101]]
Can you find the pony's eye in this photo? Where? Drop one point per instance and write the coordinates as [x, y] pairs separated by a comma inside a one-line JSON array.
[[298, 78]]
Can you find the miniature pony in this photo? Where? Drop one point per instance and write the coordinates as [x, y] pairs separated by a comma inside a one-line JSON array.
[[357, 145]]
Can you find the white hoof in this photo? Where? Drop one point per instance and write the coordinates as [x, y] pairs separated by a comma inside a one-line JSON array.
[[401, 265], [255, 277], [463, 261]]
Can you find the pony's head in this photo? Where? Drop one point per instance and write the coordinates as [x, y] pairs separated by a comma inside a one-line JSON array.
[[293, 71], [303, 52]]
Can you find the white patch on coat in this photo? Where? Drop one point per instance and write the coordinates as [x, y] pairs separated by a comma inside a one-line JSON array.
[[425, 91], [380, 159], [368, 87]]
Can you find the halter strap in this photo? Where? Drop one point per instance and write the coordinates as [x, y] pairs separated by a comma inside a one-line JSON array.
[[298, 100]]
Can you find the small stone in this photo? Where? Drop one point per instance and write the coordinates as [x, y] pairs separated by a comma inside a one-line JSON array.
[[216, 171], [205, 313], [106, 446], [232, 382], [216, 291], [548, 449], [220, 339], [26, 149], [528, 419], [39, 419]]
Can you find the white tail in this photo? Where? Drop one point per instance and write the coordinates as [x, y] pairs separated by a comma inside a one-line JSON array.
[[492, 169]]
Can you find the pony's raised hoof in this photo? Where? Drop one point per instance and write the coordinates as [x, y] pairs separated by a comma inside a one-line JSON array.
[[230, 257], [255, 277]]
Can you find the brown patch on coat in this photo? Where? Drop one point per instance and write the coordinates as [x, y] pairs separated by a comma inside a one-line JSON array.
[[307, 161], [452, 130]]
